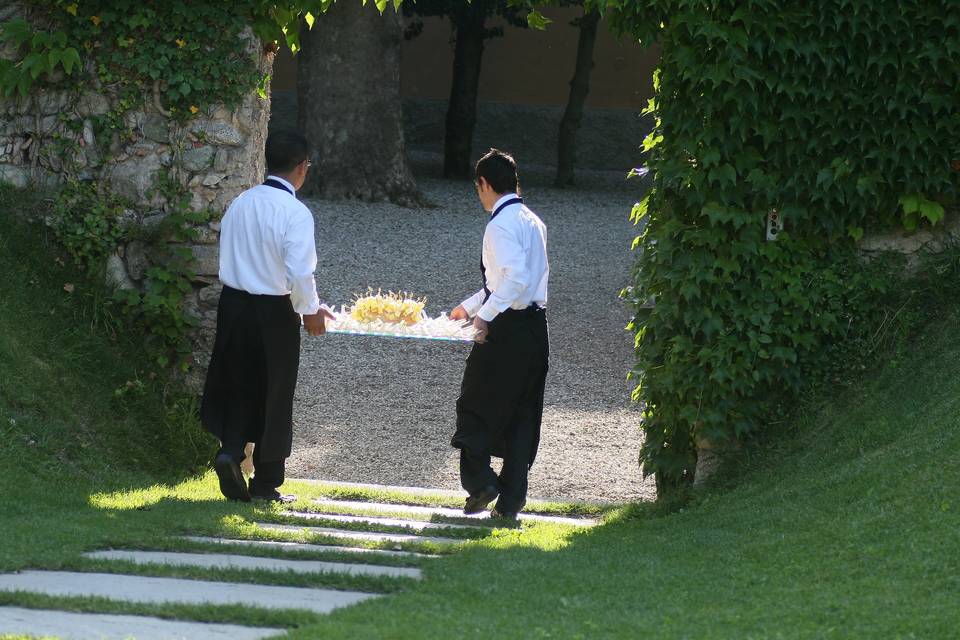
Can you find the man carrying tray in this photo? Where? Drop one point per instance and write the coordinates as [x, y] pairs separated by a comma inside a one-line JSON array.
[[267, 258], [501, 398]]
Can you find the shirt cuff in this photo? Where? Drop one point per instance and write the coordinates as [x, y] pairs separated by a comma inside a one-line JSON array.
[[472, 304], [488, 311], [307, 308]]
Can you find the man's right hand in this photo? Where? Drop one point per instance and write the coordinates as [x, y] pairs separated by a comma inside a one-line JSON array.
[[316, 324], [459, 313]]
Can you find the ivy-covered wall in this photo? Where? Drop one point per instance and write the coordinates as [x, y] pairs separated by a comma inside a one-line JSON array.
[[839, 117], [144, 169]]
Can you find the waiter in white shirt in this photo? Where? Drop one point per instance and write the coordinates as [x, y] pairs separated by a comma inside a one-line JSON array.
[[268, 256], [501, 398]]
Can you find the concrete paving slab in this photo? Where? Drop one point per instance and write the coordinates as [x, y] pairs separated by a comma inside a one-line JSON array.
[[299, 546], [443, 493], [386, 507], [96, 626], [234, 561], [148, 589], [359, 535], [415, 525]]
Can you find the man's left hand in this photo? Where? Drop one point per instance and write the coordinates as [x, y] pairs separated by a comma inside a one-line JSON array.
[[316, 324], [482, 328]]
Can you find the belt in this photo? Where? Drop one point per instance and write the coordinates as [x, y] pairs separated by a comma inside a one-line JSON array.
[[532, 309], [246, 294]]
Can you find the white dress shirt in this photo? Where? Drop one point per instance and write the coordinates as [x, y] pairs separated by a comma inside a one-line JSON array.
[[515, 257], [267, 246]]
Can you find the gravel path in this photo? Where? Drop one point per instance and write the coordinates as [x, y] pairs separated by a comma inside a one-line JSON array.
[[382, 410]]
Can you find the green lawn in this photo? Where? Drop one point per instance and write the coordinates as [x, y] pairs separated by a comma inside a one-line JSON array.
[[848, 527]]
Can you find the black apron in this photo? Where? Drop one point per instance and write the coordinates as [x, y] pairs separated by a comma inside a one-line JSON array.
[[504, 379], [248, 394], [503, 384]]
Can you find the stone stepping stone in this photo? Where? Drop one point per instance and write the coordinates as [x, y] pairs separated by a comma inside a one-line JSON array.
[[233, 561], [386, 507], [414, 492], [146, 589], [300, 546], [415, 525], [368, 536], [95, 626]]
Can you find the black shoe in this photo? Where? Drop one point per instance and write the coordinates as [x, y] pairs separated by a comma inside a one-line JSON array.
[[512, 516], [478, 501], [276, 496], [270, 495], [232, 484]]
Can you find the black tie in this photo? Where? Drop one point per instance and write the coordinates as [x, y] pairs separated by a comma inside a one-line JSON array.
[[483, 268], [276, 184]]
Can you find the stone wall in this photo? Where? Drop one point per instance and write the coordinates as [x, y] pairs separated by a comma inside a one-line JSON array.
[[215, 156], [915, 244]]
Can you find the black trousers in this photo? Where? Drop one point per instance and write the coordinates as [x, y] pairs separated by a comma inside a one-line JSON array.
[[248, 395], [268, 475], [500, 408]]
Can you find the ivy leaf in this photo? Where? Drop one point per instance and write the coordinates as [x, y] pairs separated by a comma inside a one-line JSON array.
[[724, 174], [537, 21], [651, 141], [916, 207], [16, 32], [53, 58], [710, 157], [715, 212], [911, 221], [23, 84], [689, 291], [35, 64], [932, 211], [855, 232], [824, 177], [69, 58], [910, 203], [640, 210]]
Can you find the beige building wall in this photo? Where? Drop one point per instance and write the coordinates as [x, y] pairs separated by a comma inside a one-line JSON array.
[[522, 67]]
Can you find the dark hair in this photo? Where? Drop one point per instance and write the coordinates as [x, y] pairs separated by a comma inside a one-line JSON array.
[[500, 170], [285, 150]]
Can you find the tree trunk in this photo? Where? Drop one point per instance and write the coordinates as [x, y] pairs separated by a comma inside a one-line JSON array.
[[462, 108], [579, 88], [348, 94]]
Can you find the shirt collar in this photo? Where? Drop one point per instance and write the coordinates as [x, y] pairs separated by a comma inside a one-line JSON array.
[[283, 182], [503, 198]]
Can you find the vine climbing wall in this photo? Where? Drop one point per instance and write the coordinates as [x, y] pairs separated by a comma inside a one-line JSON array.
[[142, 158]]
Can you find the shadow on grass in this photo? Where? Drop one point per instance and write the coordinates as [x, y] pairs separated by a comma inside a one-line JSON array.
[[846, 530]]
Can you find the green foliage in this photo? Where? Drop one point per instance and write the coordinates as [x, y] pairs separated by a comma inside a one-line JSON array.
[[916, 208], [159, 307], [43, 53], [281, 22], [77, 393], [183, 55], [183, 58], [87, 223], [471, 16], [834, 115], [537, 21]]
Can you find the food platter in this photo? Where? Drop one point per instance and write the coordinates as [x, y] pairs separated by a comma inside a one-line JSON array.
[[439, 328], [396, 315]]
